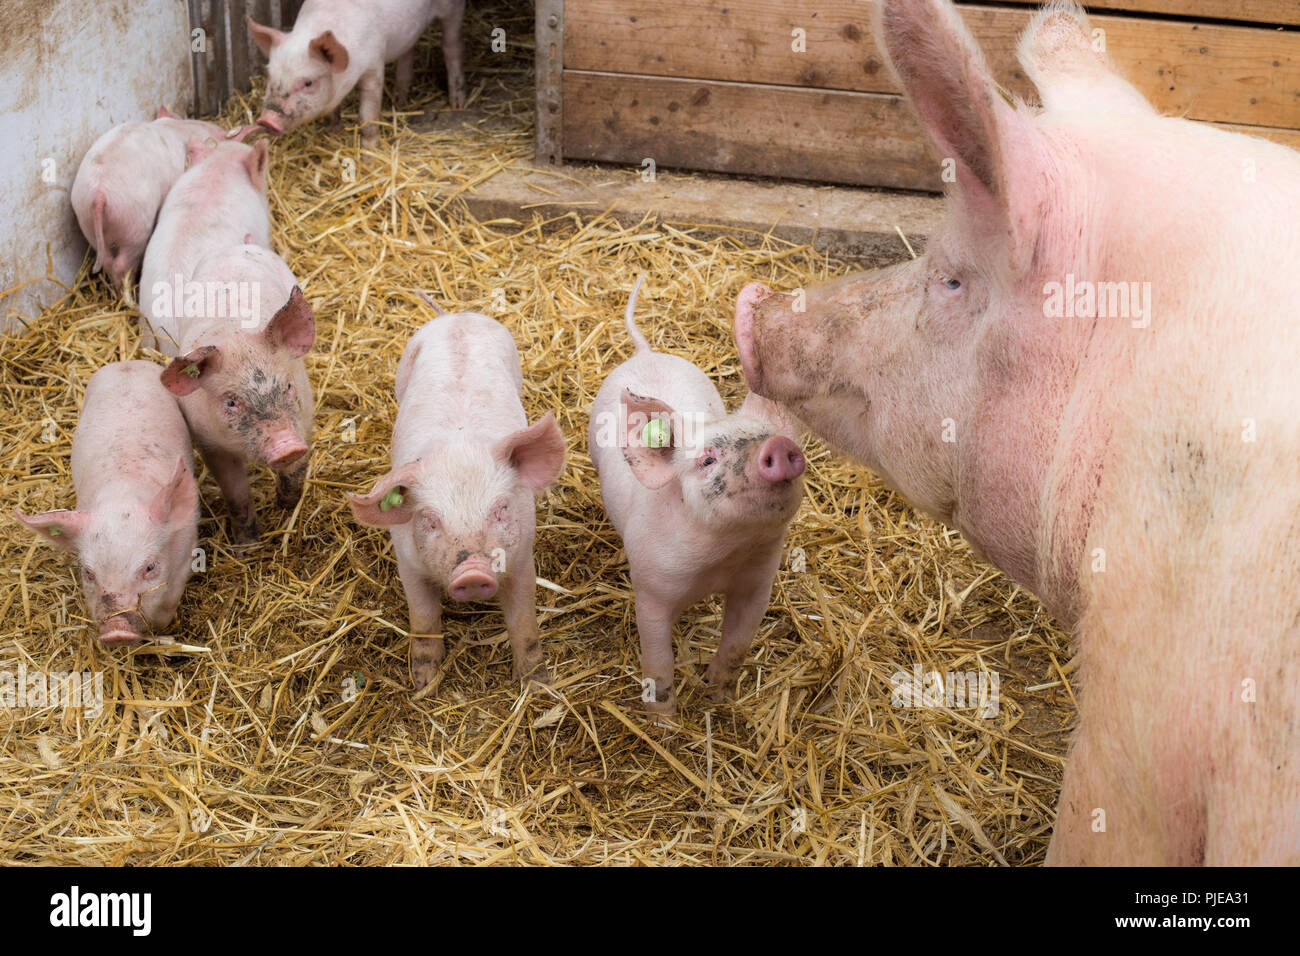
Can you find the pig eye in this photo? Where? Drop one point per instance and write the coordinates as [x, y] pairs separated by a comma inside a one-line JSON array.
[[707, 460], [952, 284], [307, 84], [230, 401], [150, 569], [90, 575]]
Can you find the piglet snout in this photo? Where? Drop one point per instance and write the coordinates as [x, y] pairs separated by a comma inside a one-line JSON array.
[[285, 450], [780, 459], [472, 580], [271, 121], [121, 630]]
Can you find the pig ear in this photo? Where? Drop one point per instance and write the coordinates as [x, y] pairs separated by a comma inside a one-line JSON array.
[[264, 37], [1057, 53], [294, 326], [389, 502], [255, 161], [536, 453], [775, 414], [165, 113], [197, 148], [62, 529], [996, 153], [328, 48], [185, 373], [653, 467], [178, 500]]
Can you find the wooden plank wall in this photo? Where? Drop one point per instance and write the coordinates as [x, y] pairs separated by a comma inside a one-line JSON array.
[[641, 80], [232, 59]]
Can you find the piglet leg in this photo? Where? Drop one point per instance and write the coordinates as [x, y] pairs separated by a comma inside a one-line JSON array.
[[519, 604], [288, 484], [232, 479], [424, 603], [744, 612], [371, 89], [654, 624], [402, 86], [451, 54]]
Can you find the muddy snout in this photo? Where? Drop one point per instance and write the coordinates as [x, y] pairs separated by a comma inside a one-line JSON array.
[[779, 459], [272, 121], [284, 450], [122, 630], [472, 580]]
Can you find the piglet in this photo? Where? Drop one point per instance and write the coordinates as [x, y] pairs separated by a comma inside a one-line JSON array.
[[701, 498], [232, 314], [459, 498], [136, 523], [338, 44], [122, 182]]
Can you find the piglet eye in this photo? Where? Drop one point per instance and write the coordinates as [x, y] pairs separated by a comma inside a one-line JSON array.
[[90, 575], [231, 402], [150, 568], [952, 284], [307, 84], [707, 461]]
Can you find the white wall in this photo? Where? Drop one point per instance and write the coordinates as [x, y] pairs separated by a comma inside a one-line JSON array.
[[69, 70]]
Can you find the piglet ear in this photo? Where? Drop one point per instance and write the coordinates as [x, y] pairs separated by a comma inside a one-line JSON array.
[[264, 37], [389, 502], [328, 48], [255, 162], [774, 413], [198, 148], [62, 529], [536, 453], [178, 500], [651, 462], [294, 326], [185, 373], [165, 113]]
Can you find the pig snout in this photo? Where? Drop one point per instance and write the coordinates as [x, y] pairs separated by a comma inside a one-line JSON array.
[[472, 580], [780, 460], [122, 630], [285, 449], [272, 121]]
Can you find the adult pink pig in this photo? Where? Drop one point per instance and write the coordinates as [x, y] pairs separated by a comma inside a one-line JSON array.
[[338, 44], [122, 182], [701, 498], [459, 498], [136, 522], [1091, 373]]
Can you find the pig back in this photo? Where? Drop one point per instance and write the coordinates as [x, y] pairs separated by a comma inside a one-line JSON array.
[[459, 377], [130, 433]]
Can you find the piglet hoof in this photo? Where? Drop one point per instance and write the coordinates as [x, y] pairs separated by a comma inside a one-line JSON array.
[[369, 136], [456, 98], [245, 534], [722, 695], [534, 672], [288, 491], [663, 706], [426, 655], [336, 121]]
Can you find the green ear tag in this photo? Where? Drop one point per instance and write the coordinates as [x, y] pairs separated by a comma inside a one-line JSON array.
[[192, 370], [55, 532], [657, 433], [390, 500]]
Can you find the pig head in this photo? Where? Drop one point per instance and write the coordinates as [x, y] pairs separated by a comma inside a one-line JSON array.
[[245, 393], [134, 556], [467, 511]]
